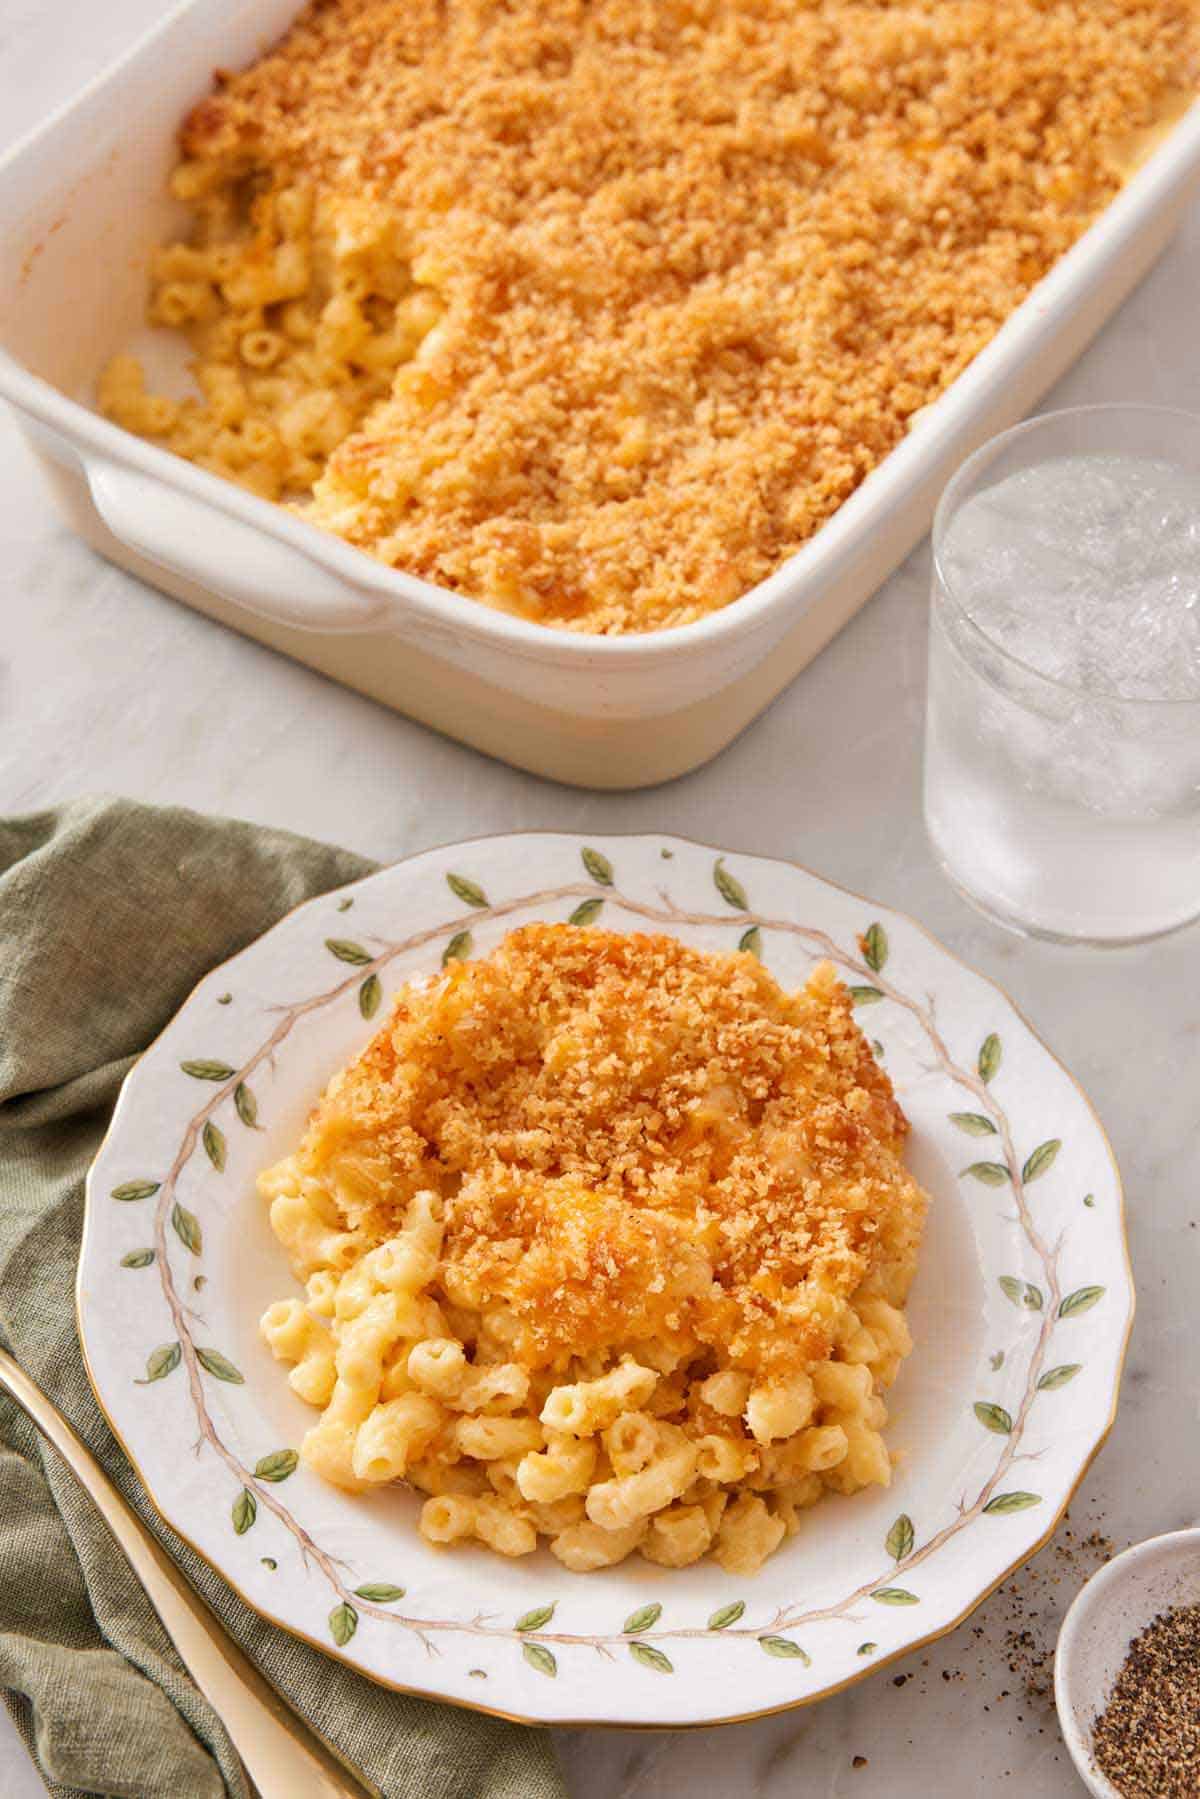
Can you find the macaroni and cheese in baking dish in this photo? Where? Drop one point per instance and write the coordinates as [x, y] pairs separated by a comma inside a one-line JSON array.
[[595, 312], [605, 1240]]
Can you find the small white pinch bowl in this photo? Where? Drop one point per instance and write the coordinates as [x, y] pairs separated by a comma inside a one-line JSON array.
[[1113, 1608]]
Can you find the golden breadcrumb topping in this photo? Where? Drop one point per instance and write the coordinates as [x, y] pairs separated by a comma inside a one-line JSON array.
[[636, 1142], [696, 263]]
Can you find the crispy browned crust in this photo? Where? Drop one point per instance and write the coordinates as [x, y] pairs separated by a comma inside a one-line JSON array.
[[703, 258], [636, 1141]]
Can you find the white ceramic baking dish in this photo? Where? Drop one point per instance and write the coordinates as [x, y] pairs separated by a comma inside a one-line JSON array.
[[82, 204]]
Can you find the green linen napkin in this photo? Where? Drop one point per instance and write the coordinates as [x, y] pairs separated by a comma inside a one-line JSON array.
[[109, 914]]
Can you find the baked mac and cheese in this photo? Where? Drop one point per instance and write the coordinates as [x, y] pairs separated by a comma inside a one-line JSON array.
[[595, 312], [604, 1240]]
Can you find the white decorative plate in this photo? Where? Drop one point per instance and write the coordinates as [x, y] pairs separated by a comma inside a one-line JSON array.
[[1021, 1309]]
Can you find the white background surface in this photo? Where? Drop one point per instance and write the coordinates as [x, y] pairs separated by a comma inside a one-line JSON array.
[[105, 685]]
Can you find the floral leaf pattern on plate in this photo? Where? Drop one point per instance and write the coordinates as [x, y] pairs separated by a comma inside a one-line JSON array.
[[1040, 1159], [874, 946], [469, 892], [1082, 1300], [537, 1619], [213, 1138], [900, 1539], [729, 887], [1058, 1377], [598, 866], [973, 1123], [129, 1191], [346, 950], [993, 1417], [160, 1362], [1016, 1431]]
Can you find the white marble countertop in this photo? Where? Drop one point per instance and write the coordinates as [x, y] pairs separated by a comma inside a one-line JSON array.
[[106, 685]]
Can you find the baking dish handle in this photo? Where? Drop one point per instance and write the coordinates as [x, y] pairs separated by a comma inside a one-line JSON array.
[[241, 563]]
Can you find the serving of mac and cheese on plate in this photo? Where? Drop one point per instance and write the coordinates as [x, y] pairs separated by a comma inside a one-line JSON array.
[[606, 1240], [589, 1162], [595, 314]]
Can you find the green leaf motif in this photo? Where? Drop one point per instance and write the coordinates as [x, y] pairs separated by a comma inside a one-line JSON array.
[[894, 1596], [973, 1123], [131, 1190], [1033, 1300], [1040, 1159], [1089, 1199], [642, 1619], [344, 905], [865, 996], [586, 911], [160, 1362], [1082, 1300], [867, 1648], [346, 950], [878, 1048], [246, 1106], [138, 1258], [750, 942], [268, 1561], [200, 1282], [1058, 1377], [276, 1466], [785, 1649], [224, 999], [207, 1071], [997, 1361], [343, 1622], [213, 1140], [992, 1174], [469, 892], [729, 887], [1012, 1288], [991, 1054], [187, 1228], [598, 866], [541, 1658], [650, 1657], [874, 946], [369, 996], [993, 1417], [725, 1615], [219, 1366], [458, 948], [537, 1619], [900, 1538], [1004, 1503], [380, 1592], [245, 1511]]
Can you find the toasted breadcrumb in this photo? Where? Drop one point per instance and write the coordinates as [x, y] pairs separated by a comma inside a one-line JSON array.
[[701, 260], [637, 1142]]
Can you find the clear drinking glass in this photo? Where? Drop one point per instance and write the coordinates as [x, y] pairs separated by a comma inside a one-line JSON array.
[[1062, 749]]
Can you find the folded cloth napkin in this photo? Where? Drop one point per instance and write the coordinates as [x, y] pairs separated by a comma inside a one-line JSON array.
[[109, 914]]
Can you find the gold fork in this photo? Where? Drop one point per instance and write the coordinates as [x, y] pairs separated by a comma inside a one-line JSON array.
[[279, 1749]]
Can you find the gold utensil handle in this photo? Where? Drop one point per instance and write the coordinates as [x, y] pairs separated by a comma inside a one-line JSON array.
[[281, 1754]]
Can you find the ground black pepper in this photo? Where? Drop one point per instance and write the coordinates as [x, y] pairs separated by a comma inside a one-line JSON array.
[[1147, 1739]]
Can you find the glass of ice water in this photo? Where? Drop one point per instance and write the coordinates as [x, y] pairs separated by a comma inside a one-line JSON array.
[[1062, 750]]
